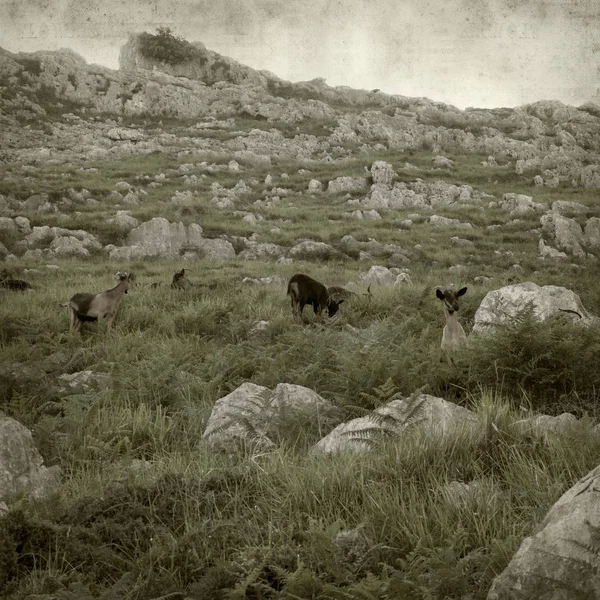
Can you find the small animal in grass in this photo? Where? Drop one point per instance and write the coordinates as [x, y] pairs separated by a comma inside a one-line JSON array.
[[17, 285], [180, 280], [453, 335], [91, 307], [304, 290]]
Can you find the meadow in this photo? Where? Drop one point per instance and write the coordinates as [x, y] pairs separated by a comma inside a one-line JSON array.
[[147, 509]]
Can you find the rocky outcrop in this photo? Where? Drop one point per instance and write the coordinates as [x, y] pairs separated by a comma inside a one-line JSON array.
[[560, 561], [160, 238], [21, 466], [399, 416], [503, 305], [256, 414]]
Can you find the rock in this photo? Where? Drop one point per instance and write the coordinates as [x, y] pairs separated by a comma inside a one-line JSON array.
[[159, 238], [123, 134], [254, 413], [124, 220], [347, 184], [8, 225], [21, 466], [403, 279], [315, 186], [131, 199], [502, 305], [549, 251], [23, 225], [442, 162], [560, 561], [439, 221], [542, 425], [378, 275], [564, 206], [82, 381], [382, 172], [591, 234], [214, 249], [520, 204], [538, 181], [264, 281], [434, 416], [563, 233], [68, 246], [310, 250], [262, 251]]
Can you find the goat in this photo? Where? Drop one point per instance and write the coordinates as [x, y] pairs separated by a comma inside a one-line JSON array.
[[305, 290], [91, 307], [180, 281], [14, 284], [453, 335]]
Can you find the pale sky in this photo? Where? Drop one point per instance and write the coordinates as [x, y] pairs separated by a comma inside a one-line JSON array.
[[484, 53]]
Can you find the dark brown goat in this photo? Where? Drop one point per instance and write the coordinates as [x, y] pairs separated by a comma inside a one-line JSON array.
[[180, 281], [305, 290]]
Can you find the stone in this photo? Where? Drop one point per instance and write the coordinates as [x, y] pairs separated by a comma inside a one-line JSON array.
[[310, 250], [378, 275], [68, 246], [549, 301], [442, 162], [429, 414], [382, 172], [21, 466], [563, 233], [123, 134], [559, 561], [315, 186], [256, 414], [347, 184]]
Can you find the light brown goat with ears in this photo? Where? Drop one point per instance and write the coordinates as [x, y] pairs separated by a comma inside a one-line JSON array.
[[91, 307], [453, 335]]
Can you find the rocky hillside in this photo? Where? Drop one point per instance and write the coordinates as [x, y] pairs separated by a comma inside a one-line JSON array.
[[35, 88]]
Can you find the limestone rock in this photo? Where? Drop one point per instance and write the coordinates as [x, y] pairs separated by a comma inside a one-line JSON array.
[[254, 413], [560, 561], [563, 233], [432, 415], [310, 250], [502, 305], [21, 466], [347, 184], [382, 172]]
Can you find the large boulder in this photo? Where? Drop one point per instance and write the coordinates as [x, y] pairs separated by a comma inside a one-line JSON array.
[[563, 233], [311, 250], [504, 304], [21, 466], [347, 184], [254, 413], [159, 238], [429, 414], [560, 561]]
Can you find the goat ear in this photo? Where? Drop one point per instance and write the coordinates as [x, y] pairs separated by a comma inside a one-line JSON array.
[[461, 292], [439, 293]]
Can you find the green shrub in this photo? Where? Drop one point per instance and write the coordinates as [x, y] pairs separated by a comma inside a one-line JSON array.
[[168, 48]]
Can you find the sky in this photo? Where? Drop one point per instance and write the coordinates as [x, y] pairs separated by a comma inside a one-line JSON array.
[[480, 53]]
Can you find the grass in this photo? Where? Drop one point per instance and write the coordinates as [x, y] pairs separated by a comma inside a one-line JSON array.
[[146, 507]]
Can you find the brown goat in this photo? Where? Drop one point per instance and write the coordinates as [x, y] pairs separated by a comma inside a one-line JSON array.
[[180, 281], [305, 290], [91, 307]]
